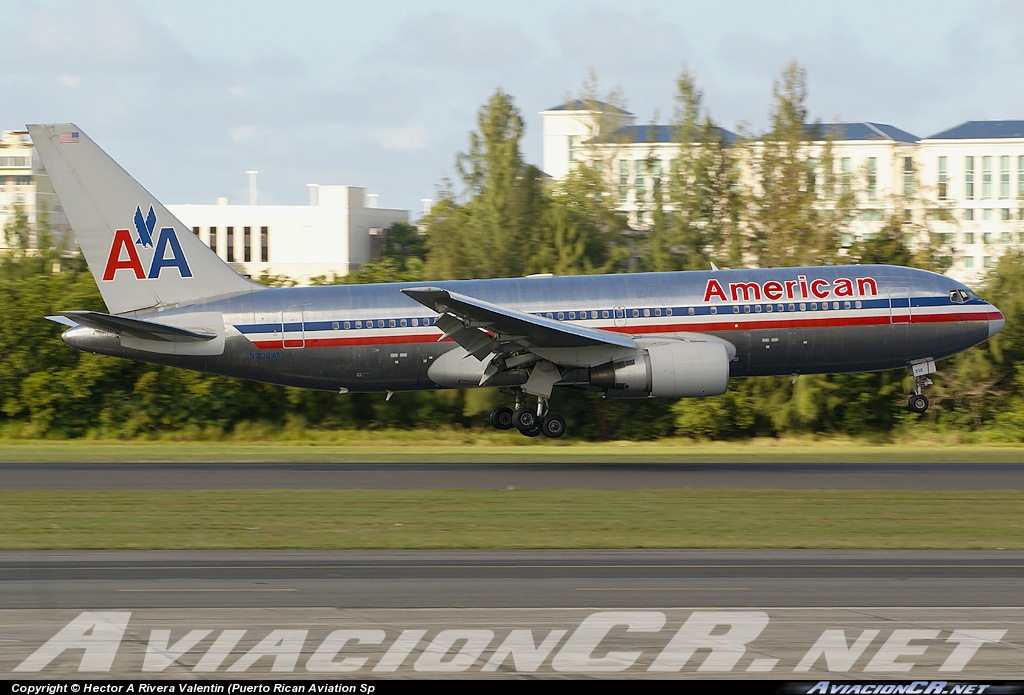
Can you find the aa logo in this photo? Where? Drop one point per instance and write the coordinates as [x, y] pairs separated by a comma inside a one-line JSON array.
[[166, 254]]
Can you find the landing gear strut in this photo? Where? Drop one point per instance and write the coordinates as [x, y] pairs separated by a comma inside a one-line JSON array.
[[528, 421], [918, 402]]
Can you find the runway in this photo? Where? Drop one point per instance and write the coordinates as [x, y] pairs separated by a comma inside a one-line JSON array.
[[630, 613], [399, 476], [789, 614], [508, 579]]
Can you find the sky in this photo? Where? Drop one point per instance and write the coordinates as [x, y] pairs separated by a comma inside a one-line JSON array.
[[188, 95]]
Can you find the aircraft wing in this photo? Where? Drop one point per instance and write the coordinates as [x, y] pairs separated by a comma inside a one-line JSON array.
[[464, 316], [135, 328]]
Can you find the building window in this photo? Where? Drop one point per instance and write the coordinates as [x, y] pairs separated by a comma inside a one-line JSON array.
[[986, 178], [943, 180], [247, 244], [987, 215], [969, 178], [572, 148], [1020, 176], [908, 176], [213, 239], [871, 215], [968, 238], [1004, 177], [230, 241], [872, 178], [987, 261], [969, 215], [623, 181], [968, 261], [641, 170], [1004, 238], [264, 244], [847, 168], [656, 173], [195, 230], [1004, 214]]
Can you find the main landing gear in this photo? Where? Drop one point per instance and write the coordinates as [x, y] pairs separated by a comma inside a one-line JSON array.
[[529, 422]]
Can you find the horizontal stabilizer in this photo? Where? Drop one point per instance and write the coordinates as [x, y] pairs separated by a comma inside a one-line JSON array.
[[136, 328]]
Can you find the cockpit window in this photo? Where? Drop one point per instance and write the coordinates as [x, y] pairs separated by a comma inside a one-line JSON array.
[[956, 296]]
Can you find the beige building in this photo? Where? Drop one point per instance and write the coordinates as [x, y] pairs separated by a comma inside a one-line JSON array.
[[965, 185]]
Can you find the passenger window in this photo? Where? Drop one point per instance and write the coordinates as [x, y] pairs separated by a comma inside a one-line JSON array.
[[746, 308], [636, 313], [657, 312], [735, 308], [714, 310], [688, 311], [792, 307], [757, 308], [359, 324], [768, 308], [647, 312], [668, 312], [348, 325]]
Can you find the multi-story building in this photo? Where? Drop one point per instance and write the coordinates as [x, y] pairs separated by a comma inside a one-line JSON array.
[[17, 181], [962, 189], [332, 236]]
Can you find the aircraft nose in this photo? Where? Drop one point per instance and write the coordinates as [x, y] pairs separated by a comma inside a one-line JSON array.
[[996, 321]]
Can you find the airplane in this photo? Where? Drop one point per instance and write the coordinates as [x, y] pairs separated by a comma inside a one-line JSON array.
[[173, 301]]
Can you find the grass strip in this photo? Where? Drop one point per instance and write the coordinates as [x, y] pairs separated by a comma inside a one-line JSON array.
[[486, 450], [684, 518]]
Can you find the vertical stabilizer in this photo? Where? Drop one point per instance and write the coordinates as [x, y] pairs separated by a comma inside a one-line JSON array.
[[140, 254]]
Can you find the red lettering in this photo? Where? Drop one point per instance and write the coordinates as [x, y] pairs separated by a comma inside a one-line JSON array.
[[803, 286], [815, 284], [714, 289], [866, 286], [773, 290], [748, 289], [844, 287], [123, 240], [790, 284]]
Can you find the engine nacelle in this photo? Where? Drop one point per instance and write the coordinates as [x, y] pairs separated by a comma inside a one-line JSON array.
[[672, 369]]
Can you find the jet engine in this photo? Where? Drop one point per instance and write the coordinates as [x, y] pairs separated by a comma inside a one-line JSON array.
[[672, 369]]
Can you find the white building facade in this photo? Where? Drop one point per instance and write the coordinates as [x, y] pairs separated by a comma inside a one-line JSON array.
[[965, 184], [331, 237], [17, 180]]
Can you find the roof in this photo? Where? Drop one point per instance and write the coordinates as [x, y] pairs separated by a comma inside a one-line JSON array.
[[862, 130], [588, 105], [982, 130], [655, 134]]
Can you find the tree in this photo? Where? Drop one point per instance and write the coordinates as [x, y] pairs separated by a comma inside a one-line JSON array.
[[498, 231], [796, 216]]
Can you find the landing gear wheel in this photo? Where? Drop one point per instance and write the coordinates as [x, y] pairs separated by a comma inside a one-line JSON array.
[[501, 418], [532, 432], [917, 403], [553, 426], [525, 419]]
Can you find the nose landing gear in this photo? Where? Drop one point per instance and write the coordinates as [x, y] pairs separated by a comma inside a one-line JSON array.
[[918, 402]]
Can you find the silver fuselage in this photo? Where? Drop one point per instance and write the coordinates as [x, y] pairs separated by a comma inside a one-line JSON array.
[[781, 321]]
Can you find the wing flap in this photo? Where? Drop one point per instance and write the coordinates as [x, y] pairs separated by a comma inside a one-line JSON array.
[[513, 325]]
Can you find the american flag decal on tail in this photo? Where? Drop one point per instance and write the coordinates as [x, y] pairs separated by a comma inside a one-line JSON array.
[[69, 138]]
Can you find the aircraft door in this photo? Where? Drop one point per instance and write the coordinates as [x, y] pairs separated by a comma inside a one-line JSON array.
[[293, 328], [899, 305], [620, 316]]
